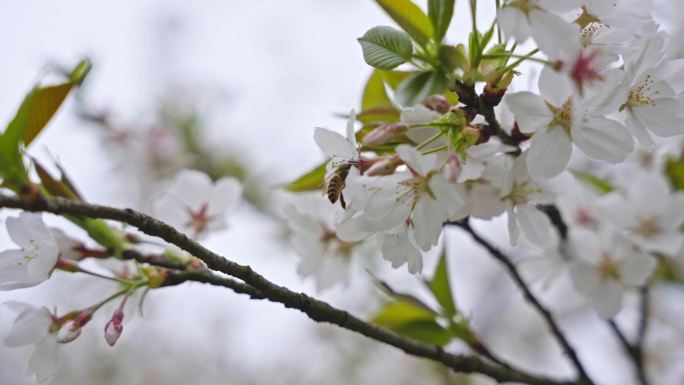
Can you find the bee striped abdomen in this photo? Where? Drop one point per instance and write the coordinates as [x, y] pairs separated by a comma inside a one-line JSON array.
[[336, 184]]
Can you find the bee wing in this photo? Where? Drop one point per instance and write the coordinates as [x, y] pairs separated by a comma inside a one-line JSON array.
[[333, 144]]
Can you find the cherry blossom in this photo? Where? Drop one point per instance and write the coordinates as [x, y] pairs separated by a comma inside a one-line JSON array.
[[34, 262], [196, 205], [339, 148], [33, 326], [557, 120], [324, 255], [649, 212], [421, 198], [521, 194], [521, 19], [603, 264], [650, 103]]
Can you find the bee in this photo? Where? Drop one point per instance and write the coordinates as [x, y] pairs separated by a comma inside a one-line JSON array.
[[336, 182]]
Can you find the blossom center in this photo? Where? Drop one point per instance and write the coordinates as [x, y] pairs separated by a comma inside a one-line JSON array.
[[589, 32], [199, 220], [648, 226], [608, 267], [640, 95], [562, 116], [583, 217], [521, 193]]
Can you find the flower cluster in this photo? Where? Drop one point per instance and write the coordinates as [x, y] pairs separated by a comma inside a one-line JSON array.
[[607, 88]]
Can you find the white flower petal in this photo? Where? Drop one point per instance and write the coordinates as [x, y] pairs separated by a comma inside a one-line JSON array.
[[45, 359], [636, 267], [534, 224], [420, 163], [553, 34], [333, 144], [603, 139], [30, 326], [28, 229], [555, 87], [13, 267], [427, 221], [549, 153], [607, 298], [225, 196], [513, 23], [192, 188], [530, 110]]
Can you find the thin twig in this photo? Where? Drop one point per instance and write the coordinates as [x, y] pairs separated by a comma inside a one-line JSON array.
[[531, 298], [316, 310], [635, 351]]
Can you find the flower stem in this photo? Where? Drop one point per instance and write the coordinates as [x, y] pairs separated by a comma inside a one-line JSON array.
[[429, 141]]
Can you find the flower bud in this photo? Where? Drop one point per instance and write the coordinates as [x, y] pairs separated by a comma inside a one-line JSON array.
[[67, 265], [385, 166], [471, 134], [438, 103], [384, 132], [114, 327], [69, 332], [453, 168]]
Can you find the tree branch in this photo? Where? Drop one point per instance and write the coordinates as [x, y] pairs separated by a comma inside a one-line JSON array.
[[531, 298], [316, 310], [635, 350]]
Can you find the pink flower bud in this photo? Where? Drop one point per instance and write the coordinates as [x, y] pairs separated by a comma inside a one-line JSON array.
[[384, 132], [69, 332], [453, 168], [438, 103], [114, 327], [385, 166]]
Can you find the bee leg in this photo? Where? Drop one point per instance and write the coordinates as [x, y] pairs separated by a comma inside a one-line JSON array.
[[342, 202]]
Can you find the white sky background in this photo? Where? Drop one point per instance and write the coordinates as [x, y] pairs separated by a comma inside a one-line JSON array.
[[275, 70]]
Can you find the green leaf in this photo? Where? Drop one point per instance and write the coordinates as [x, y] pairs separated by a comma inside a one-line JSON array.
[[454, 57], [394, 78], [53, 186], [386, 47], [416, 89], [410, 18], [12, 168], [42, 106], [44, 102], [310, 181], [474, 49], [599, 184], [374, 94], [400, 297], [429, 332], [398, 313], [441, 286], [674, 170], [440, 13]]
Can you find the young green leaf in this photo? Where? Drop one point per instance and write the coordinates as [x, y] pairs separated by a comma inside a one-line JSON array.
[[12, 168], [394, 78], [416, 89], [374, 94], [454, 57], [386, 47], [398, 313], [310, 181], [674, 171], [592, 180], [440, 13], [410, 18], [441, 286], [44, 102], [429, 332]]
